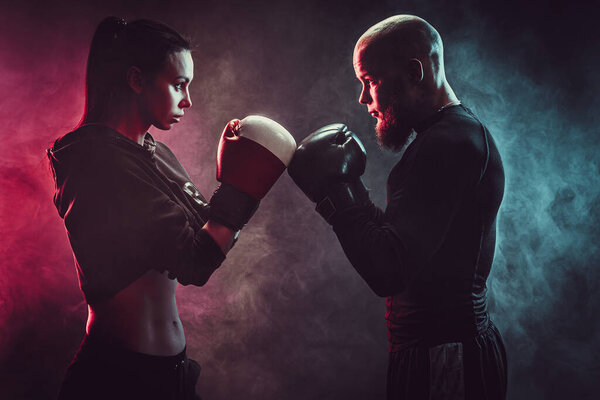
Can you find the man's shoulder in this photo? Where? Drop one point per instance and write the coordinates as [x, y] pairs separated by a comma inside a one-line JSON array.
[[458, 128], [457, 124]]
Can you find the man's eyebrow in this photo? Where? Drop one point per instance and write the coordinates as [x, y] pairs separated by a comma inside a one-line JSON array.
[[183, 77]]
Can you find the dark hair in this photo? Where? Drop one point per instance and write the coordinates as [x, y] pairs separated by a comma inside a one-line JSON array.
[[118, 45]]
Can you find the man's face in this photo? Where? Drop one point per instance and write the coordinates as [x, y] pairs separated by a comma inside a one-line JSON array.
[[389, 97], [167, 95]]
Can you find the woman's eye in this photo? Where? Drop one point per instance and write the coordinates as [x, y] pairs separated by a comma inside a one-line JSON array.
[[179, 86]]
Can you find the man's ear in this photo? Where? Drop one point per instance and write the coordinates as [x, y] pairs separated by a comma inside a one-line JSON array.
[[415, 70], [135, 80]]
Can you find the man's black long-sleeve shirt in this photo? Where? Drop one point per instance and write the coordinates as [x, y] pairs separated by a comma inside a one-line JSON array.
[[431, 250]]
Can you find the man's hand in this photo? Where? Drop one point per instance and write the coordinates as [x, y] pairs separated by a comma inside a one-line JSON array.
[[327, 166]]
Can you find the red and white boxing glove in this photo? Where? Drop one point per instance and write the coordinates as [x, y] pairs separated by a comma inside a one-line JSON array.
[[252, 155]]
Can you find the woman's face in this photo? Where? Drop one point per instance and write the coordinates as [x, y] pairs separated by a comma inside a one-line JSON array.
[[165, 98]]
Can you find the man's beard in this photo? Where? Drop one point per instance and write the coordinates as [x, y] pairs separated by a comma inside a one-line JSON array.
[[394, 128]]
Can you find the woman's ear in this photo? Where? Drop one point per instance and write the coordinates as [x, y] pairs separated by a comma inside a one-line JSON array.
[[135, 80]]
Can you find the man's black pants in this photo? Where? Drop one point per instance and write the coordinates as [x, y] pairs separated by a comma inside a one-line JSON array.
[[473, 369]]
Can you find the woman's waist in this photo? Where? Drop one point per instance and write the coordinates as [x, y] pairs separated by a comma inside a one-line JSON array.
[[142, 317], [144, 334]]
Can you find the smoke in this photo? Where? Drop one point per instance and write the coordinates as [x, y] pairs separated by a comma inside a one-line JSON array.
[[545, 277], [286, 315]]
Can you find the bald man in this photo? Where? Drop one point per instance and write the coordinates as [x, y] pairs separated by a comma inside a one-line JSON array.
[[430, 252]]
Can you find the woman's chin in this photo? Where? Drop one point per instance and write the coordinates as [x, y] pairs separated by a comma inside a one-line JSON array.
[[164, 127]]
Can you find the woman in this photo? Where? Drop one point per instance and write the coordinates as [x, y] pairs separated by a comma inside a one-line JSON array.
[[136, 223]]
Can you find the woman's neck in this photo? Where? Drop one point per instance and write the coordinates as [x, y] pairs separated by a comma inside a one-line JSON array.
[[129, 124]]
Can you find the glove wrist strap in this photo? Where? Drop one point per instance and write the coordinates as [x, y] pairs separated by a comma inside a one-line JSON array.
[[231, 207], [341, 196]]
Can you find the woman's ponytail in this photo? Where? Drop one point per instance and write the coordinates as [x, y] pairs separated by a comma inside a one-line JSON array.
[[103, 65]]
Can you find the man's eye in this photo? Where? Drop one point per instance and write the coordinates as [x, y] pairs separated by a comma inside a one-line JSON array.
[[179, 86]]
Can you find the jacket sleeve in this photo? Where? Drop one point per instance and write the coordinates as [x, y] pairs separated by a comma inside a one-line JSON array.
[[121, 224], [389, 248]]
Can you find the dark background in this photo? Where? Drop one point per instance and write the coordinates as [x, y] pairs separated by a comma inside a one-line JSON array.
[[286, 316]]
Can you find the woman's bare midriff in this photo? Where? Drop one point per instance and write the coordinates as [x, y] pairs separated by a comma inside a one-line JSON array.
[[142, 317]]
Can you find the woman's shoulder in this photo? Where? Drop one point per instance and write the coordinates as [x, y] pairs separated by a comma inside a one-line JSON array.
[[81, 143], [165, 153], [93, 143]]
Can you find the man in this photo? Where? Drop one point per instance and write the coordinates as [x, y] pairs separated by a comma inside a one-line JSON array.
[[431, 250]]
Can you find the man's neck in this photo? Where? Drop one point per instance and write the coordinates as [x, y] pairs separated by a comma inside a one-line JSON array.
[[442, 99], [445, 97]]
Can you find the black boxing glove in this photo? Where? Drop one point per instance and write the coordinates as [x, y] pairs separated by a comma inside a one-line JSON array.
[[327, 166]]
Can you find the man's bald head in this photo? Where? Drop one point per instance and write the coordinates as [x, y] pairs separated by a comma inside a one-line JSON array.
[[399, 62], [391, 43]]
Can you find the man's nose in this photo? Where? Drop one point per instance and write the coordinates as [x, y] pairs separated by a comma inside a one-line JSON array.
[[364, 98]]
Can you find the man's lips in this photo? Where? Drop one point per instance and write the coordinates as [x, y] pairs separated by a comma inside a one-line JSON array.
[[374, 113]]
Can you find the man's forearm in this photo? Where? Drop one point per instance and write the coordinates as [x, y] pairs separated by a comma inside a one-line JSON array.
[[374, 248]]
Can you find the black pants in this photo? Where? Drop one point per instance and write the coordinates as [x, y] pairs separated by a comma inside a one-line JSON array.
[[473, 369], [102, 370]]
